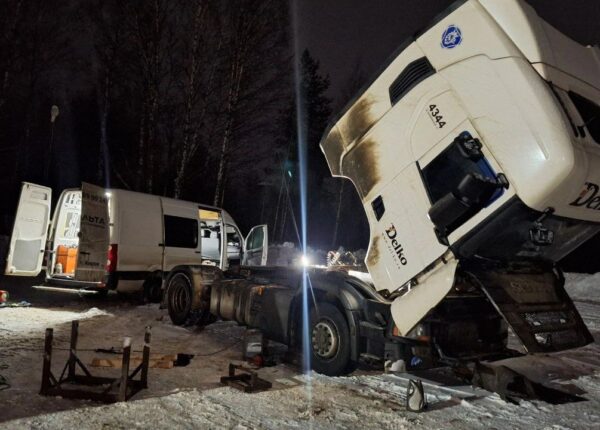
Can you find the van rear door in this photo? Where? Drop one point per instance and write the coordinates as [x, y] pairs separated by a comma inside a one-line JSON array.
[[93, 235], [30, 230], [256, 246]]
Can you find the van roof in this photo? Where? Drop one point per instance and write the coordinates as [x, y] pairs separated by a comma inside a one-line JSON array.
[[123, 193]]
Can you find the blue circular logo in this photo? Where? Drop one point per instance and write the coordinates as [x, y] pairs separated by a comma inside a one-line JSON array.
[[452, 37]]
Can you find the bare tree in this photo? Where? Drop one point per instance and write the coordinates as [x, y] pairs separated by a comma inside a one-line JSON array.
[[107, 18], [255, 46], [200, 68], [11, 17], [135, 45]]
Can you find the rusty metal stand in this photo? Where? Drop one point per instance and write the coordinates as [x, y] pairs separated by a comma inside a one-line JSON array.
[[111, 389], [246, 381]]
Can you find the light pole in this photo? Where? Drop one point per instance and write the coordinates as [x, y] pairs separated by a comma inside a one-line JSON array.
[[53, 115]]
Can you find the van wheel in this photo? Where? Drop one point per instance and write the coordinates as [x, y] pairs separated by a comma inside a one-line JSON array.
[[329, 337], [179, 302], [152, 290]]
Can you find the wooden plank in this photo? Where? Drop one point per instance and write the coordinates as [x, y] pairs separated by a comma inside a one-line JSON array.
[[117, 363]]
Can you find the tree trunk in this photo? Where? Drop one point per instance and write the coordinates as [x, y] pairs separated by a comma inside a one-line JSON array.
[[141, 146], [103, 171], [237, 71], [9, 56], [189, 137]]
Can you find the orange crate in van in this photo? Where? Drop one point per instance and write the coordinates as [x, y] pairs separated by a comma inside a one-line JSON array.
[[67, 257]]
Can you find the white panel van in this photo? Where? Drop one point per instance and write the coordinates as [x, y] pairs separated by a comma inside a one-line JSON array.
[[100, 239]]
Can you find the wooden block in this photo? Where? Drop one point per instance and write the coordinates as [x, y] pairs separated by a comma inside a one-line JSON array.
[[134, 362], [163, 357], [164, 364]]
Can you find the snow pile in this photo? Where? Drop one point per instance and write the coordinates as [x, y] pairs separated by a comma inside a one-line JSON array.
[[581, 286], [366, 402], [320, 406], [32, 320]]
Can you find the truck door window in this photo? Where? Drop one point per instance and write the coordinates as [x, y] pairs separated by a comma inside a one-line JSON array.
[[256, 240], [181, 232], [590, 114]]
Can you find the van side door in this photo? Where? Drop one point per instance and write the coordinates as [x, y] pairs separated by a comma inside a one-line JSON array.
[[30, 231], [93, 234], [256, 246]]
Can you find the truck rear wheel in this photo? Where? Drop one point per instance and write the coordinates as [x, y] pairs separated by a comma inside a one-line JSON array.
[[329, 337], [179, 298], [179, 291]]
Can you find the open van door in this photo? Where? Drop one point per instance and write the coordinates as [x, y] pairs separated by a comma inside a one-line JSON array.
[[256, 246], [30, 230], [93, 235]]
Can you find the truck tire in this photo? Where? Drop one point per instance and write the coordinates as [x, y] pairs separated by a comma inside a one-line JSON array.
[[179, 293], [329, 340], [179, 298]]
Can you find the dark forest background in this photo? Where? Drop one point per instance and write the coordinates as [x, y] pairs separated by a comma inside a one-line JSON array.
[[192, 99]]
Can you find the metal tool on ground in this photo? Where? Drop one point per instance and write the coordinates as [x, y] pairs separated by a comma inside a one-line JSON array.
[[103, 389], [245, 380], [254, 344], [415, 396]]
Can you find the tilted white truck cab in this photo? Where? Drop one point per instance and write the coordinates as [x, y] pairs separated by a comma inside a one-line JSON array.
[[476, 153], [478, 149], [100, 239]]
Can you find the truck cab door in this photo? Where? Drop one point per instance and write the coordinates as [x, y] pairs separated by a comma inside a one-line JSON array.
[[93, 235], [30, 231], [256, 246]]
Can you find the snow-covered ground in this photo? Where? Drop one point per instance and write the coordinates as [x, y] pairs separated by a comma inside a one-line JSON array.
[[191, 397]]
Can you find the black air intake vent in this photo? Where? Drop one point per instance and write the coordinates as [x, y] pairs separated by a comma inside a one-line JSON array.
[[410, 77]]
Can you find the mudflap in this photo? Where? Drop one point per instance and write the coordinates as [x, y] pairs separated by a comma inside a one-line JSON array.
[[533, 301]]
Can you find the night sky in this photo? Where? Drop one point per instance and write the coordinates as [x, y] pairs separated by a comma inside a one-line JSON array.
[[340, 33]]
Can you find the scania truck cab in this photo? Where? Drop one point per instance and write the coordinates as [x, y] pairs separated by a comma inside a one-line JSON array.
[[476, 154]]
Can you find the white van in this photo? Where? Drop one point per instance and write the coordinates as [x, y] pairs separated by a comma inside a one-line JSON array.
[[100, 239]]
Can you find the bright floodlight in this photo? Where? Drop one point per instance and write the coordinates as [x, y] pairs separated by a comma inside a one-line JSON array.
[[305, 261]]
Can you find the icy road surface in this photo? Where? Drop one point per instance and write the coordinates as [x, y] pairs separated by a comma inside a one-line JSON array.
[[190, 397]]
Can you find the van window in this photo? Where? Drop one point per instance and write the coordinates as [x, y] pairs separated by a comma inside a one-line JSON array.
[[181, 232], [590, 114]]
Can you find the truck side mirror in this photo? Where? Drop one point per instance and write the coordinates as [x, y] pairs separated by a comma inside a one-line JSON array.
[[472, 194]]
